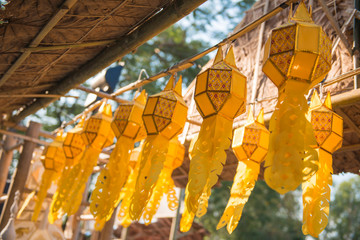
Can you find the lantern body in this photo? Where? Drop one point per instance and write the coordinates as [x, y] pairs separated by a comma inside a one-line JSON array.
[[176, 153], [97, 129], [221, 87], [165, 112], [251, 142], [53, 156], [73, 143], [299, 50], [127, 120]]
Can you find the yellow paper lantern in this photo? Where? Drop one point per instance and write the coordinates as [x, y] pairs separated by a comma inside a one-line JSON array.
[[328, 129], [73, 148], [53, 159], [126, 124], [220, 95], [297, 57], [165, 184], [250, 145], [97, 135], [164, 118]]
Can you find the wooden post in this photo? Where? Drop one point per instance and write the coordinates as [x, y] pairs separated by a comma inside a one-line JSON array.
[[106, 233], [76, 220], [5, 161], [356, 57], [176, 219], [22, 170]]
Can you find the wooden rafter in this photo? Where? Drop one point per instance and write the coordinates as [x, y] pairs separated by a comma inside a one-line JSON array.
[[348, 121]]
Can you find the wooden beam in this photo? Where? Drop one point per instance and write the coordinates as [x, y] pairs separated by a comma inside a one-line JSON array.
[[349, 148], [5, 161], [174, 12], [66, 46], [335, 25], [23, 129], [107, 232], [64, 8], [348, 121], [342, 77], [22, 171], [25, 137], [162, 20]]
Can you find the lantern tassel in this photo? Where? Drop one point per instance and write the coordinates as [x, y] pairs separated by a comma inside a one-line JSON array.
[[316, 196], [106, 194], [152, 161], [244, 182], [78, 177], [208, 158], [291, 142], [47, 178]]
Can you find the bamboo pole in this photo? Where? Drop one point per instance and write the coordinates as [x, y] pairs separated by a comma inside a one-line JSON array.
[[64, 8], [34, 96], [107, 232], [5, 161], [23, 129], [102, 94], [342, 77], [22, 171], [25, 137], [66, 46]]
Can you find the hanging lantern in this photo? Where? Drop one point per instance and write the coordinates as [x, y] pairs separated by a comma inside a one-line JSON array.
[[250, 145], [73, 147], [164, 118], [165, 184], [126, 125], [328, 129], [129, 188], [297, 57], [53, 159], [220, 95], [97, 135]]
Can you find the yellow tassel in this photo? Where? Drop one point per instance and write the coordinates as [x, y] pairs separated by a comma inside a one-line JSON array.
[[244, 182], [47, 178], [128, 190], [152, 161], [208, 158], [291, 142], [79, 176], [106, 194]]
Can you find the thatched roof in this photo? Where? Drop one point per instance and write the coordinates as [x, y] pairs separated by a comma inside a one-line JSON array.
[[52, 46], [346, 159]]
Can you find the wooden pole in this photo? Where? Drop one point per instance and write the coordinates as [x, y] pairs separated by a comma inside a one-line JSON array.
[[21, 172], [76, 219], [176, 219], [5, 161], [107, 232], [102, 94]]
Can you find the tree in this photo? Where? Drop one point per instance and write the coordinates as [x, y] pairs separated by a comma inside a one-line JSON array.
[[344, 217], [267, 215]]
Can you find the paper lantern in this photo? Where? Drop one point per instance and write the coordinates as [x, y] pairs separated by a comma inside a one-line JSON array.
[[126, 124], [97, 135], [297, 57], [250, 145], [164, 118], [165, 184], [328, 129], [53, 159], [73, 147], [220, 95]]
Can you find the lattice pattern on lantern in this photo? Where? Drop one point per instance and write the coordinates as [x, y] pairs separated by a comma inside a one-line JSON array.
[[106, 195], [164, 118], [328, 129], [250, 145], [127, 120], [74, 144], [164, 112], [220, 95], [221, 88], [97, 129], [53, 159], [297, 57], [299, 49]]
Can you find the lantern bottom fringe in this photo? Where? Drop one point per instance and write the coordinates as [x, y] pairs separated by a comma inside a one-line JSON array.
[[244, 182], [316, 196], [47, 178]]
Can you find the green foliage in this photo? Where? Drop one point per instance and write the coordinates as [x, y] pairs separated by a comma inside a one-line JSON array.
[[344, 218], [267, 215]]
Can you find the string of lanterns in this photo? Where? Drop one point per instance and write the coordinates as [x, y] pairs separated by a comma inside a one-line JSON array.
[[297, 148]]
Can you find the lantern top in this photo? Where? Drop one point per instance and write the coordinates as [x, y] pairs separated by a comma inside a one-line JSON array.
[[302, 14], [258, 122], [316, 102], [141, 98]]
